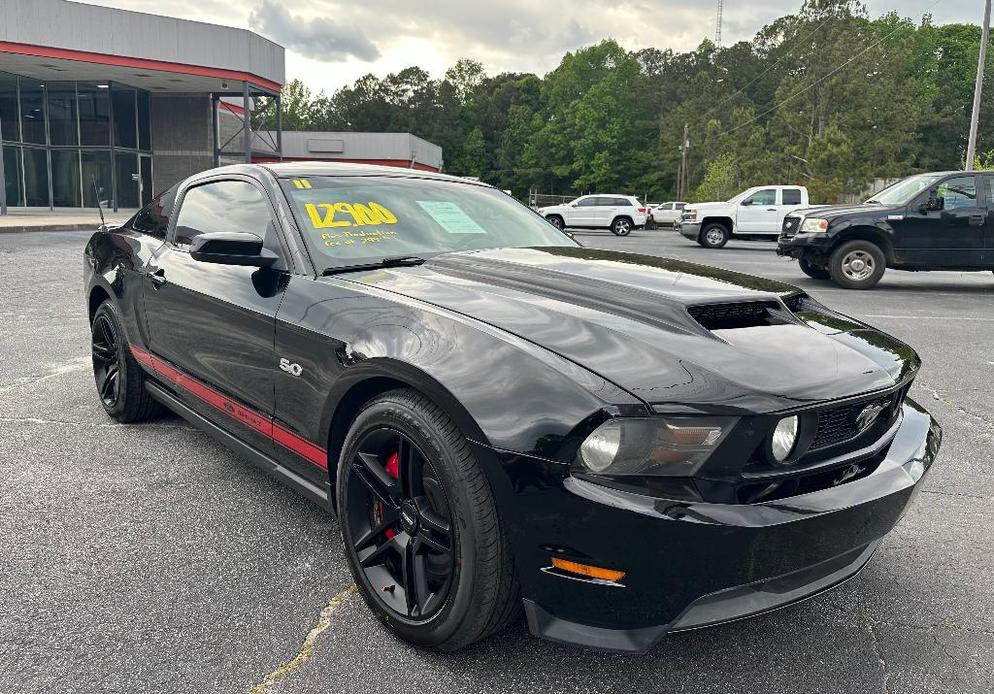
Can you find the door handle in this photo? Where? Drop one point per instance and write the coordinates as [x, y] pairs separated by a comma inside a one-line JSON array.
[[158, 277], [978, 219], [771, 209]]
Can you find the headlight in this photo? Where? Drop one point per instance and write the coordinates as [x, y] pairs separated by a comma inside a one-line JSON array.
[[784, 438], [814, 224], [653, 446], [690, 215]]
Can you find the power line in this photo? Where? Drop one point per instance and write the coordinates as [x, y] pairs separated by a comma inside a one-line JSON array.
[[778, 61], [777, 106]]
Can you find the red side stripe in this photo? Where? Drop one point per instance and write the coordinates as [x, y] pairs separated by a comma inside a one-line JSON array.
[[264, 425], [301, 446]]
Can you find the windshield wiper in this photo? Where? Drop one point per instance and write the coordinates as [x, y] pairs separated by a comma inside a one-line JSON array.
[[871, 201], [393, 261]]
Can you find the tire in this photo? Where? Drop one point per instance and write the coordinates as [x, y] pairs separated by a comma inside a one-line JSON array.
[[407, 473], [815, 272], [857, 265], [119, 379], [714, 235], [556, 221], [622, 226]]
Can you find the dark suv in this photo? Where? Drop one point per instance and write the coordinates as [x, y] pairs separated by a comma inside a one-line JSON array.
[[933, 221]]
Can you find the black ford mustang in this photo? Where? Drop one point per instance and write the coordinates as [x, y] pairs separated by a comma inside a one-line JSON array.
[[622, 445]]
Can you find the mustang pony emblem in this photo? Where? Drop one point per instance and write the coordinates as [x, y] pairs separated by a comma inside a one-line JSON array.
[[869, 414]]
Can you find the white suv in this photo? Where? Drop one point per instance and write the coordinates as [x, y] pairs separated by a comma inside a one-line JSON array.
[[619, 213]]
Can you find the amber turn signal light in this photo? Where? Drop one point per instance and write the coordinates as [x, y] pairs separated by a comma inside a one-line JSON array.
[[586, 570]]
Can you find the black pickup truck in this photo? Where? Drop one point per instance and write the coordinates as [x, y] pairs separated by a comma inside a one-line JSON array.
[[932, 221]]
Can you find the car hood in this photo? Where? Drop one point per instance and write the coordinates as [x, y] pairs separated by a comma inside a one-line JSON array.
[[831, 212], [627, 317], [708, 205]]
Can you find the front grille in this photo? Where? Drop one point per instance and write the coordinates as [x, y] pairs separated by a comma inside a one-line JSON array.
[[790, 226], [841, 424]]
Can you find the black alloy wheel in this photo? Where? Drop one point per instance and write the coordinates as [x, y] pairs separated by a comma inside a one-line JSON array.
[[423, 536], [556, 221], [120, 380], [106, 360], [401, 525]]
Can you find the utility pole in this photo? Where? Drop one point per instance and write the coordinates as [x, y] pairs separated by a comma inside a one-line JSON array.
[[971, 147], [717, 24], [681, 177]]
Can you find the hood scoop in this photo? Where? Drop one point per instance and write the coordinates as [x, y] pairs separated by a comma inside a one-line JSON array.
[[741, 314]]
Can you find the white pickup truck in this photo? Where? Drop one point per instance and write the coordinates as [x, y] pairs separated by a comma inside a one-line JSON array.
[[754, 213]]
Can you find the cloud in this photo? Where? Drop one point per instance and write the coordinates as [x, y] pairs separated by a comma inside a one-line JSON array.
[[320, 38]]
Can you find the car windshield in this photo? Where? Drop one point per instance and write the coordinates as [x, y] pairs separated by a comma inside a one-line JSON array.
[[903, 192], [359, 220]]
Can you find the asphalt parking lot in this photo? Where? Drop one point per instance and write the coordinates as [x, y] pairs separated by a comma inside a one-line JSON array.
[[147, 558]]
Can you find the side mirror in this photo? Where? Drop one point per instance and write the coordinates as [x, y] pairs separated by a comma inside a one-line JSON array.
[[747, 202], [934, 203], [231, 248]]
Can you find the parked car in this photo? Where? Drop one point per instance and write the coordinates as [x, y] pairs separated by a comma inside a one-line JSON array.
[[755, 213], [666, 214], [932, 221], [619, 445], [619, 213]]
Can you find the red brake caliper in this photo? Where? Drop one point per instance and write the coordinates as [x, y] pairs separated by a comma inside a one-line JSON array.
[[393, 469]]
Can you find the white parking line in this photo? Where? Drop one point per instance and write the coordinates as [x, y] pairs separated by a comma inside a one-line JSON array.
[[957, 318]]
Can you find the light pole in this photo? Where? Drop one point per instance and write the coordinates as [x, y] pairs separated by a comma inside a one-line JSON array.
[[971, 146]]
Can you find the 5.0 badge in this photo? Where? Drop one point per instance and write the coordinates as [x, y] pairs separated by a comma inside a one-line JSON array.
[[290, 367]]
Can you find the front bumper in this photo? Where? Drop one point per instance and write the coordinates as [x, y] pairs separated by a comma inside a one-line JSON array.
[[798, 245], [691, 565], [692, 230]]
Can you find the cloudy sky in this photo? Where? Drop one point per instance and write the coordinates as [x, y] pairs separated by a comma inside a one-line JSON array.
[[330, 43]]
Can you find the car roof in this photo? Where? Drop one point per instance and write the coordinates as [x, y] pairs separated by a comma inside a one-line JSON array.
[[299, 169], [303, 169]]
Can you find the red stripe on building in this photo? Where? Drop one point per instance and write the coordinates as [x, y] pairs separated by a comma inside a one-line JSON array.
[[294, 443], [397, 163], [138, 63]]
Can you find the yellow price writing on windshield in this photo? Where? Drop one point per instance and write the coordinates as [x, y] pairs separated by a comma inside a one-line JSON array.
[[322, 214]]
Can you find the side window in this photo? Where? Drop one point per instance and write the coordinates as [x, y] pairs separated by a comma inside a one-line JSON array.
[[681, 205], [989, 182], [767, 196], [222, 206], [153, 219], [623, 202], [958, 192], [791, 196], [587, 202], [605, 202]]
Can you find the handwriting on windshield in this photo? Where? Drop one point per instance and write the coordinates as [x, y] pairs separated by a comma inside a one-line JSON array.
[[322, 215]]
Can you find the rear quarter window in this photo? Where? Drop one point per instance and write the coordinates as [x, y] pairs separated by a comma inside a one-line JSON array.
[[791, 196]]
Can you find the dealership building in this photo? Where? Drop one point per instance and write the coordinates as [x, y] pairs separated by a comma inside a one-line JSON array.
[[106, 105]]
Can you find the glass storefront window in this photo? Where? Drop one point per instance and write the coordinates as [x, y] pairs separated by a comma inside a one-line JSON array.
[[65, 178], [9, 127], [94, 115], [12, 174], [144, 121], [32, 111], [97, 179], [35, 177], [125, 118], [69, 144], [63, 128], [126, 168]]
